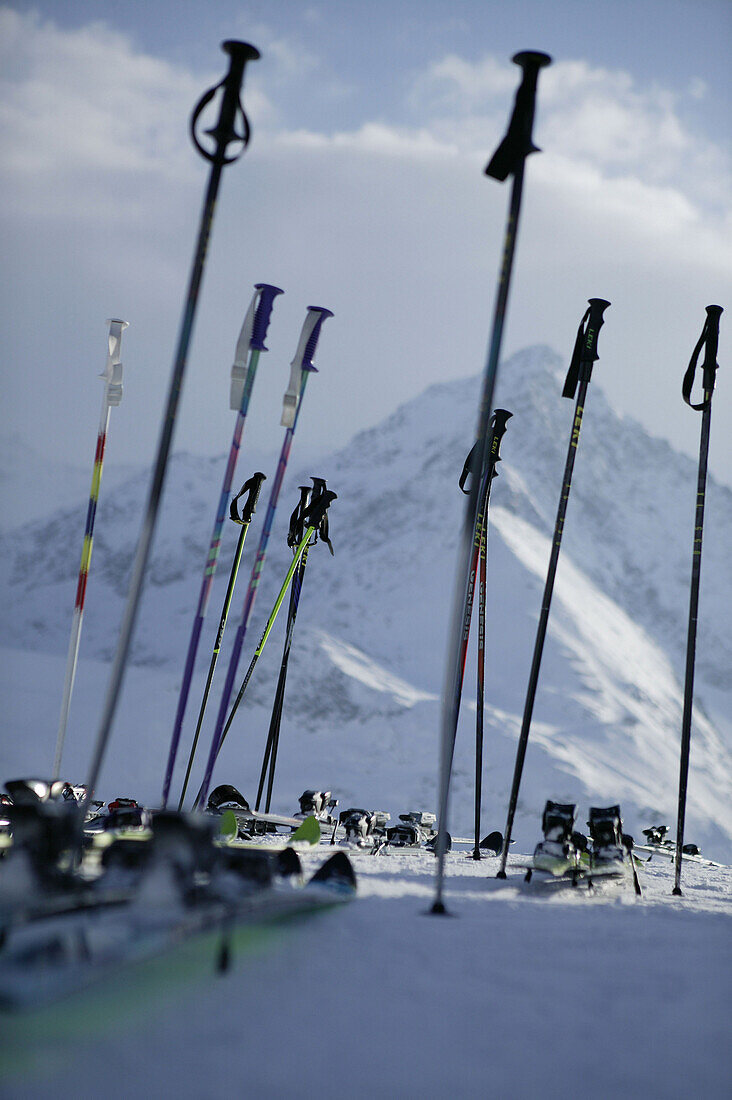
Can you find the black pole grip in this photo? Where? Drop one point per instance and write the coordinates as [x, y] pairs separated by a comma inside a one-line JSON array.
[[585, 346], [518, 141], [500, 420], [296, 530], [252, 487], [315, 511], [225, 131], [709, 340], [592, 330]]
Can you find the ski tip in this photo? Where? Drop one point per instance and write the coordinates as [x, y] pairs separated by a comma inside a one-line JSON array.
[[228, 828], [338, 872], [493, 842], [288, 863], [308, 832]]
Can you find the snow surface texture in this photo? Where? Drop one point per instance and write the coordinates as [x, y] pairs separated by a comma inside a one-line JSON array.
[[361, 714], [520, 993]]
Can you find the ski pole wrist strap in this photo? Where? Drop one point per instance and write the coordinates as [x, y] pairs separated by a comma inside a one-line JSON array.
[[709, 340]]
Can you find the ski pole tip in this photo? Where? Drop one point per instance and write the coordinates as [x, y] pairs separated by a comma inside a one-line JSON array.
[[438, 910]]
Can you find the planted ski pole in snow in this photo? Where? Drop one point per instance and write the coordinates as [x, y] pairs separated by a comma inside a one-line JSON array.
[[251, 488], [301, 366], [112, 395], [249, 346], [222, 134], [579, 374], [294, 537], [499, 421], [708, 341], [508, 159], [313, 519]]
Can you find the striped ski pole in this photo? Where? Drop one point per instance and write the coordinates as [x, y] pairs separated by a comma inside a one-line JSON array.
[[223, 134], [301, 366], [508, 159], [251, 344], [112, 395], [579, 375], [313, 518], [252, 488], [709, 341], [297, 520]]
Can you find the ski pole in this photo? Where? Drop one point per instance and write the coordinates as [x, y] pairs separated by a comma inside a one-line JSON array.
[[508, 159], [112, 395], [580, 372], [301, 366], [252, 487], [251, 344], [222, 134], [498, 422], [294, 536], [313, 518], [709, 341]]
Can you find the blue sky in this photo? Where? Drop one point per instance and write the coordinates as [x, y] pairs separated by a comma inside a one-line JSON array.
[[362, 190]]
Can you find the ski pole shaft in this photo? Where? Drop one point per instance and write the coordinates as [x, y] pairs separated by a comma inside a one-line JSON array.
[[481, 679], [112, 395], [250, 343], [509, 159], [322, 504], [273, 735], [253, 486], [301, 366], [223, 134], [709, 341], [580, 371]]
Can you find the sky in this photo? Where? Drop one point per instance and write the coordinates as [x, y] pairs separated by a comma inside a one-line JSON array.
[[362, 190]]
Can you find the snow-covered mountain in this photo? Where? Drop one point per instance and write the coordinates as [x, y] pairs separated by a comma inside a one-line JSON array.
[[362, 710]]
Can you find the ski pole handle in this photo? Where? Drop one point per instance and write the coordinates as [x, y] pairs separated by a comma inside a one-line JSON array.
[[268, 293], [518, 142], [251, 338], [500, 420], [709, 340], [592, 330], [225, 131], [303, 360], [112, 373], [252, 486]]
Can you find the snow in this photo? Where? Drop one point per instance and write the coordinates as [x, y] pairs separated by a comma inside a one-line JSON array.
[[516, 993]]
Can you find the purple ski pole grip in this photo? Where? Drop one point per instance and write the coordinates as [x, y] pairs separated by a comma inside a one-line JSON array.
[[302, 362], [312, 343], [263, 314]]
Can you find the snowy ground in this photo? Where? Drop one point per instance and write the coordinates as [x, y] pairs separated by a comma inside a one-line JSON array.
[[516, 994]]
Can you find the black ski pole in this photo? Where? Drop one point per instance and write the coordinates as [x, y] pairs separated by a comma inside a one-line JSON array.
[[252, 487], [312, 520], [294, 535], [319, 487], [508, 159], [708, 340], [223, 134], [580, 372], [499, 421]]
